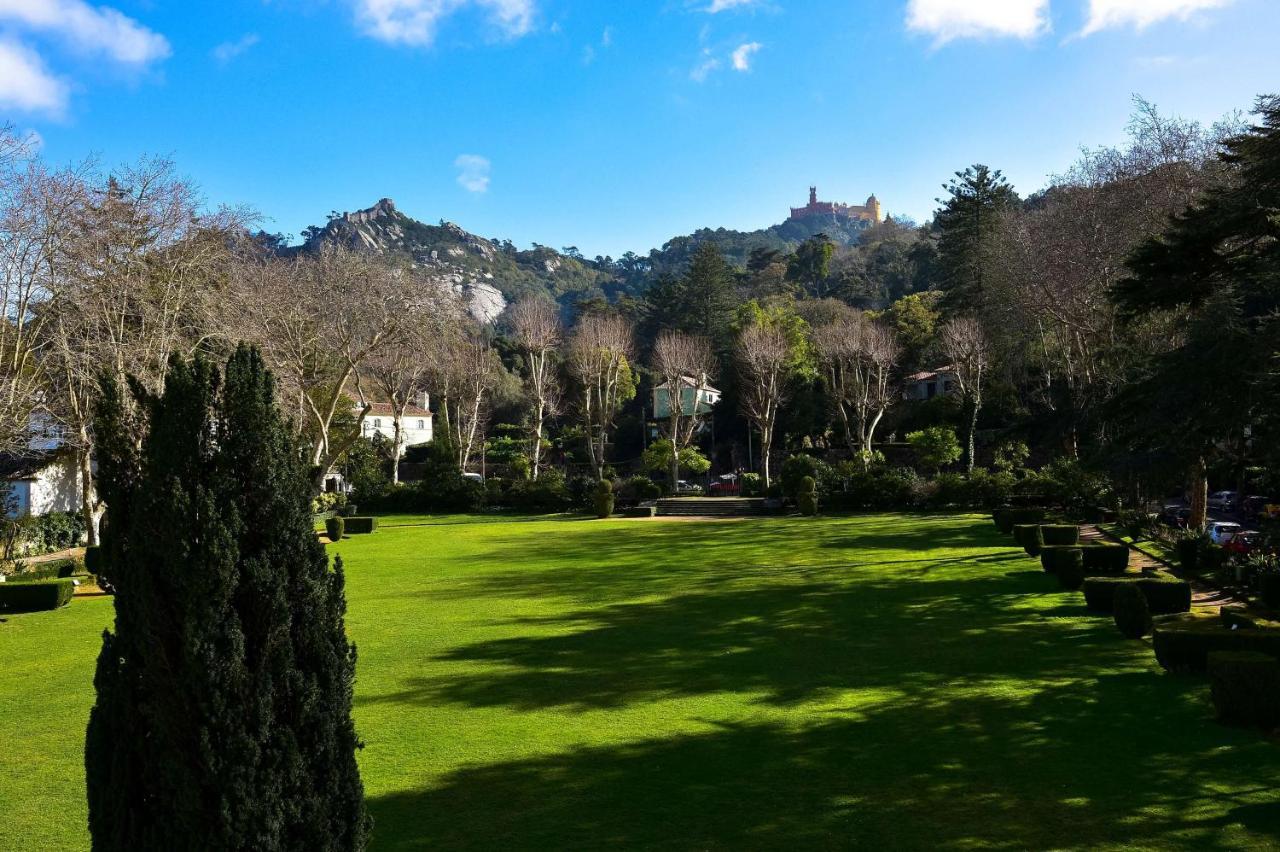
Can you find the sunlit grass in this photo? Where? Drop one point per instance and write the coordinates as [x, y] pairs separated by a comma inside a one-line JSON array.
[[879, 682]]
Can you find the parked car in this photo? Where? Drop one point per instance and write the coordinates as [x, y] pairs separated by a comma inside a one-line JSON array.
[[1243, 542], [1174, 516], [725, 486], [1221, 531], [1224, 501], [474, 477], [687, 489]]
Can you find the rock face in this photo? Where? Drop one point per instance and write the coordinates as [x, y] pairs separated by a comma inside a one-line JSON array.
[[488, 274]]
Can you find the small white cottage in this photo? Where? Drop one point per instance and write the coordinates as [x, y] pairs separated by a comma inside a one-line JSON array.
[[41, 481]]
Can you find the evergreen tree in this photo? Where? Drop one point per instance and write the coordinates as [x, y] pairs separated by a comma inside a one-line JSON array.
[[707, 297], [810, 266], [975, 199], [223, 718]]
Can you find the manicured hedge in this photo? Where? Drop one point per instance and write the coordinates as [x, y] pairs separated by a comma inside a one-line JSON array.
[[1054, 556], [1023, 515], [1069, 566], [1245, 686], [1028, 535], [361, 526], [35, 595], [640, 512], [1165, 595], [94, 559], [1105, 557], [1002, 519], [1059, 534], [1132, 615], [1184, 644], [335, 528], [49, 570]]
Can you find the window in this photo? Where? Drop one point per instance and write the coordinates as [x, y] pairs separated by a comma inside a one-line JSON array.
[[377, 422], [422, 424]]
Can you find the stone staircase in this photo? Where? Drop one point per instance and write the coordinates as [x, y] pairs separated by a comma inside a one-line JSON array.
[[716, 507]]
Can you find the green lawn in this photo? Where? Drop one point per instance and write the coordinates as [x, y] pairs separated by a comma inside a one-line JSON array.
[[879, 682]]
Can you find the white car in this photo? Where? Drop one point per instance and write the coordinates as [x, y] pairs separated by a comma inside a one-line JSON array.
[[1223, 501], [1220, 532]]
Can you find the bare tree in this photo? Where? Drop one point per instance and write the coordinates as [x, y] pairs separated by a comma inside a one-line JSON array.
[[320, 318], [682, 361], [763, 353], [475, 369], [535, 324], [858, 356], [599, 355], [967, 347]]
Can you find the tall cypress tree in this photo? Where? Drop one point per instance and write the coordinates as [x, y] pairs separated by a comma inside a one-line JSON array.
[[223, 718]]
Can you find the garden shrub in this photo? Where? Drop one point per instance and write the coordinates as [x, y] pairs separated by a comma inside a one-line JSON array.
[[807, 496], [1245, 686], [1059, 534], [35, 595], [1211, 558], [1188, 549], [48, 570], [1165, 595], [1069, 566], [334, 528], [1184, 644], [1132, 615], [50, 532], [1105, 557], [549, 493], [360, 526], [640, 512], [751, 485], [1028, 535], [794, 471], [642, 488], [602, 498], [1049, 557], [1003, 521], [1025, 515], [94, 559]]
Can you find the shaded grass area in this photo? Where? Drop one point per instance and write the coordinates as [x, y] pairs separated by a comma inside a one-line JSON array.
[[871, 682]]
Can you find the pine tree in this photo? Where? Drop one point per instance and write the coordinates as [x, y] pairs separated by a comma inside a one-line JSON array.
[[975, 199], [223, 718]]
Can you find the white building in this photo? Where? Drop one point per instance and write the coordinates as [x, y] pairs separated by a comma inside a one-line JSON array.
[[415, 423], [41, 482], [696, 398], [930, 383]]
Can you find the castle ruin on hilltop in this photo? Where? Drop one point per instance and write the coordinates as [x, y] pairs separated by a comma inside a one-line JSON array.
[[869, 212]]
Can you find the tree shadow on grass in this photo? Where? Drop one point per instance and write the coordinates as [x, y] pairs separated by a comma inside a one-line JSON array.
[[1078, 766]]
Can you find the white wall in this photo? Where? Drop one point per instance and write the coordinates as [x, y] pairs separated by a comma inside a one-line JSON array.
[[56, 488], [417, 430]]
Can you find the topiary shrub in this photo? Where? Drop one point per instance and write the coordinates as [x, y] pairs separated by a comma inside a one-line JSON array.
[[1069, 566], [752, 485], [807, 496], [1059, 534], [1024, 515], [1028, 535], [602, 498], [1165, 595], [49, 570], [1183, 644], [334, 528], [1132, 615], [640, 512], [35, 595], [1188, 550], [1245, 686], [1105, 557], [360, 526], [94, 560], [1048, 558], [1002, 517]]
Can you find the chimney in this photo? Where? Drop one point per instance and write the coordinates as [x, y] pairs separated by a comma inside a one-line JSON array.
[[424, 401]]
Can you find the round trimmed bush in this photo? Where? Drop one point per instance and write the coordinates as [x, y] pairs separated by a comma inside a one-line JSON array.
[[1069, 566], [807, 496], [602, 498], [1060, 534], [1028, 535], [334, 528], [1130, 610], [1105, 557]]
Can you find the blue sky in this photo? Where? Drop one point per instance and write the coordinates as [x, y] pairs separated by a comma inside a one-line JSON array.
[[611, 125]]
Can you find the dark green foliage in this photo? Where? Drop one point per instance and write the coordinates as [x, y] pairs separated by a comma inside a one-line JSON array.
[[1069, 567], [51, 532], [93, 562], [1269, 586], [1059, 534], [367, 466], [643, 488], [1245, 686], [807, 497], [49, 570], [549, 493], [976, 199], [1028, 535], [1049, 557], [602, 498], [1188, 550], [334, 528], [1183, 644], [1132, 615], [1024, 515], [794, 470], [223, 713], [640, 512], [1165, 595], [1002, 519], [1105, 558], [361, 526], [35, 595]]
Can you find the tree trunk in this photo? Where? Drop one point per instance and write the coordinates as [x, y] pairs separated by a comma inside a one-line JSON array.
[[975, 405], [85, 464], [766, 444], [675, 452], [397, 424], [1199, 496], [535, 452]]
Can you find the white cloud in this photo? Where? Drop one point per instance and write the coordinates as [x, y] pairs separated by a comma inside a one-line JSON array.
[[26, 85], [99, 29], [229, 50], [606, 38], [718, 6], [473, 172], [704, 68], [415, 22], [1104, 14], [742, 55], [946, 20]]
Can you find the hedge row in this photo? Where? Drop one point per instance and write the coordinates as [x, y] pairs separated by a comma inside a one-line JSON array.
[[50, 570], [35, 595], [360, 526], [1165, 595], [1245, 686], [1184, 644], [1006, 517]]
